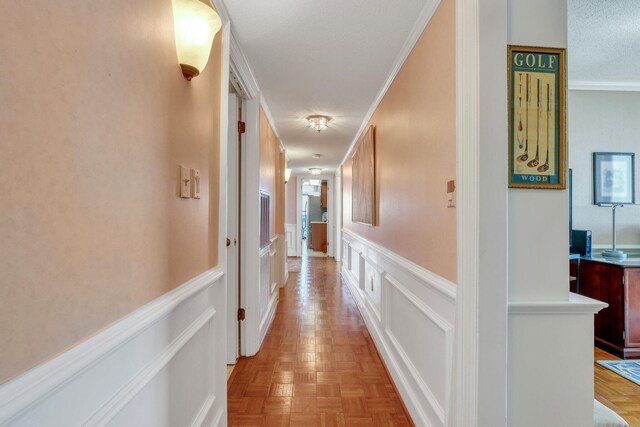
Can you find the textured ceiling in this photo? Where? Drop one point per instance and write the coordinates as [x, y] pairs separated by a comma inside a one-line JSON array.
[[604, 40], [321, 57]]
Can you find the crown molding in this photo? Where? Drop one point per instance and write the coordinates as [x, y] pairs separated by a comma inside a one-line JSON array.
[[242, 73], [606, 86], [267, 112], [424, 17], [241, 68]]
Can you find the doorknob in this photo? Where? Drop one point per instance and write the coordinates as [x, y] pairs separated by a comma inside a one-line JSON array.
[[228, 242]]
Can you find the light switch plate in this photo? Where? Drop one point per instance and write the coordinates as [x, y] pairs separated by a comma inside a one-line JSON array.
[[195, 183], [185, 179]]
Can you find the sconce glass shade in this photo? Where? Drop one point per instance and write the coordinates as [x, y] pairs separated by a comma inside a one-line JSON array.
[[195, 24], [287, 175]]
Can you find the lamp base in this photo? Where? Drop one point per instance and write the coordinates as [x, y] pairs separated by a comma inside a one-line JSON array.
[[619, 255], [189, 71]]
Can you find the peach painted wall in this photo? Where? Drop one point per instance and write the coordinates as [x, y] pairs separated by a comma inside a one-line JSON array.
[[292, 190], [271, 173], [415, 154], [94, 120]]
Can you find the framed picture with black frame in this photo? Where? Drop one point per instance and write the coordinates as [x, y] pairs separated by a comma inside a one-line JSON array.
[[614, 179]]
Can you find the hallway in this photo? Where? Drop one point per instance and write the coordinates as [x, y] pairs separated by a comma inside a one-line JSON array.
[[318, 365]]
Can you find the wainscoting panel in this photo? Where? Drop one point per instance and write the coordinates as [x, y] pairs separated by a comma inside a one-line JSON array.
[[268, 286], [410, 313], [291, 234], [162, 365]]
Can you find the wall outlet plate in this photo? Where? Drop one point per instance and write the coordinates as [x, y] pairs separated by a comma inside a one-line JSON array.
[[185, 179], [195, 183]]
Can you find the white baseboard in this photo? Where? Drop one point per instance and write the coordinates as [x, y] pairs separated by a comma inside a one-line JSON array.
[[165, 354], [410, 314]]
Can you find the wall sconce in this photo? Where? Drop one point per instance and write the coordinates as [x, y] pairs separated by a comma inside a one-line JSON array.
[[196, 24], [287, 175]]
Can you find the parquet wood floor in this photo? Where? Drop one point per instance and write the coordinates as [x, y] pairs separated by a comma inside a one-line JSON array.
[[318, 365], [617, 392]]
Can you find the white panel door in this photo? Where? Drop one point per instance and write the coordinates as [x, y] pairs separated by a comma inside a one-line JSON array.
[[233, 193]]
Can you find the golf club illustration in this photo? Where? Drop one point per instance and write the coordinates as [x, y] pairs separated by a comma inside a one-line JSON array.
[[545, 166], [536, 161], [519, 133], [525, 156]]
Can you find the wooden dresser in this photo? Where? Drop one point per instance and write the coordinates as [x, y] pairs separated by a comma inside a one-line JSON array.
[[617, 327]]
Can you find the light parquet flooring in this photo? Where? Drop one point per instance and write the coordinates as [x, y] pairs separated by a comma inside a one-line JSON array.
[[617, 392], [318, 365]]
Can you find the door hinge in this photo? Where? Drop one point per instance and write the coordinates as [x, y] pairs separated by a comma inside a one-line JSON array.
[[241, 314], [242, 127], [623, 280], [624, 335]]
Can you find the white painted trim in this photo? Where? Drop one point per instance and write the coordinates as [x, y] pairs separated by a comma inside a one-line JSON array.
[[577, 304], [250, 250], [241, 68], [603, 85], [224, 146], [446, 287], [110, 409], [392, 271], [204, 411], [272, 122], [26, 391], [468, 212], [337, 190], [425, 15]]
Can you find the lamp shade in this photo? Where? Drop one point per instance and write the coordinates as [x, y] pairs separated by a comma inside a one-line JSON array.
[[195, 24]]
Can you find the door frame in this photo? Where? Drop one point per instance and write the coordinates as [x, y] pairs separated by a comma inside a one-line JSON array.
[[331, 233], [234, 169]]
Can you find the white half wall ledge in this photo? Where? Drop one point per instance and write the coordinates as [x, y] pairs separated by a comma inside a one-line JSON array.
[[576, 304], [132, 368], [605, 86]]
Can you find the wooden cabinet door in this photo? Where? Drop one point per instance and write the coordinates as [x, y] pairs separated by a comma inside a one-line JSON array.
[[603, 282], [323, 195], [632, 306]]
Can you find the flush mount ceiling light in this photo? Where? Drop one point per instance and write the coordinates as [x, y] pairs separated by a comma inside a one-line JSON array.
[[319, 122], [195, 24], [315, 171], [317, 156]]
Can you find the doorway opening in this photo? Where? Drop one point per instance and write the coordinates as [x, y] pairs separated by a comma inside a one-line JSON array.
[[234, 229], [314, 217]]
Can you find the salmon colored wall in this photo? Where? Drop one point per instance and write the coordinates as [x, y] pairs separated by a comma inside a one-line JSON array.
[[271, 173], [292, 190], [94, 120], [415, 154]]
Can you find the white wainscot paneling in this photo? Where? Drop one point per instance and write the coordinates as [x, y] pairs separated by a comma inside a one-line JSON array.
[[410, 313], [291, 238], [162, 365], [268, 286]]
